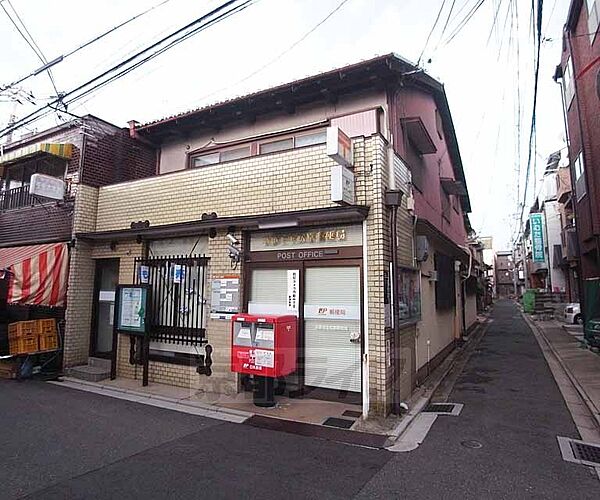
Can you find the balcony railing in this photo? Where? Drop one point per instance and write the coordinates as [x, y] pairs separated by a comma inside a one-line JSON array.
[[14, 198]]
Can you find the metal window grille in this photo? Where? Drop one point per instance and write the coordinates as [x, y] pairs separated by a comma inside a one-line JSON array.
[[177, 309]]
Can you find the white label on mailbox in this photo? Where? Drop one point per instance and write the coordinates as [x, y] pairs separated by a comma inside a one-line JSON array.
[[264, 334], [264, 358], [244, 333]]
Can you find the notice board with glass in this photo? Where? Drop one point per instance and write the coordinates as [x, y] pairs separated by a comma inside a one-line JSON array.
[[131, 309]]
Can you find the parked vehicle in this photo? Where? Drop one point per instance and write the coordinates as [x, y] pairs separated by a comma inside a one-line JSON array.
[[572, 314]]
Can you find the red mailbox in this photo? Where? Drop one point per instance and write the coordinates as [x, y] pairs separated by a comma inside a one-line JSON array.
[[264, 345]]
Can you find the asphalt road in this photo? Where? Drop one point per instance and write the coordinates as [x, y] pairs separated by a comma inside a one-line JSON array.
[[61, 443]]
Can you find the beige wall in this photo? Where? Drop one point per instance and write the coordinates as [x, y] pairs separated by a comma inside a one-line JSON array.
[[437, 327], [470, 310], [174, 154]]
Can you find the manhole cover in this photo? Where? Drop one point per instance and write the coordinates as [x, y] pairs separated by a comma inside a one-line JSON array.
[[471, 443]]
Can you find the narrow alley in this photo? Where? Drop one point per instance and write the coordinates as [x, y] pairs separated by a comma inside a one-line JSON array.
[[512, 407]]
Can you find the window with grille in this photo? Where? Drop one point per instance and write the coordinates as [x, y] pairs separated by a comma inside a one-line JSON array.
[[178, 285]]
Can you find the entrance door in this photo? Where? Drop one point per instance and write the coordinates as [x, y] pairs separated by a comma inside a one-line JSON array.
[[332, 328], [107, 277]]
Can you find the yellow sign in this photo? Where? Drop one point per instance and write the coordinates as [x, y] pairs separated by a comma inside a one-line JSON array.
[[333, 235]]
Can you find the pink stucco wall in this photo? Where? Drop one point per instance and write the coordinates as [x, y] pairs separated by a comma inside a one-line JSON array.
[[410, 103]]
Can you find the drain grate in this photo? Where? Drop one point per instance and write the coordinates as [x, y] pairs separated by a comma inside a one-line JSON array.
[[443, 408], [579, 452], [587, 452], [352, 414], [340, 423]]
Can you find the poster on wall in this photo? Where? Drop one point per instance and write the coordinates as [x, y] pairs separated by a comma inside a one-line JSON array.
[[293, 275]]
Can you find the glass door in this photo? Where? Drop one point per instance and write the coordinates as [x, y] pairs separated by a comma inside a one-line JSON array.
[[332, 328], [107, 277]]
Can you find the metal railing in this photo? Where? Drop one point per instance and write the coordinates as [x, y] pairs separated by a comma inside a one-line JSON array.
[[14, 198]]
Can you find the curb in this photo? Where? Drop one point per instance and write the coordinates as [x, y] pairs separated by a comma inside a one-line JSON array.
[[578, 387], [148, 398]]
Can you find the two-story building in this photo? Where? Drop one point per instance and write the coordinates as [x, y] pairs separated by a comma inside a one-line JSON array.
[[301, 199], [579, 75], [37, 242]]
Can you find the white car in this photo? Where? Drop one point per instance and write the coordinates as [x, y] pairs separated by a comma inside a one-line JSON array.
[[572, 314]]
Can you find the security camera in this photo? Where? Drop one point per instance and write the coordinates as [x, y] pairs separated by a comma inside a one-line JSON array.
[[233, 239]]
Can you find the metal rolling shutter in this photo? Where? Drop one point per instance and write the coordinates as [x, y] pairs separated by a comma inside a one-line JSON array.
[[332, 360]]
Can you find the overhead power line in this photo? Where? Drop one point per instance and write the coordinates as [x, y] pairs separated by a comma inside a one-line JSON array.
[[205, 21], [532, 131], [28, 38], [47, 65], [437, 18]]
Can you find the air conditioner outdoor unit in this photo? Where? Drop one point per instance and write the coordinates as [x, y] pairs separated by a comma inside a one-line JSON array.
[[422, 248], [433, 276]]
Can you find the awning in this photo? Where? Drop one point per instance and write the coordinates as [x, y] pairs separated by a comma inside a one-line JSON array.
[[337, 215], [452, 186], [37, 274], [63, 150]]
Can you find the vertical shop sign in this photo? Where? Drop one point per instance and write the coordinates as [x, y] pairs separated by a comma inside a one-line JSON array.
[[537, 237], [292, 293]]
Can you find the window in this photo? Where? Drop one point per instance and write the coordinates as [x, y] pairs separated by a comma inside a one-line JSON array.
[[253, 148], [579, 169], [455, 203], [438, 124], [416, 164], [274, 146], [445, 197], [593, 8], [235, 154], [569, 83], [311, 139], [208, 159]]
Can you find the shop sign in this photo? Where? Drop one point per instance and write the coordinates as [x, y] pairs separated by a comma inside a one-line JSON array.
[[537, 237], [308, 239], [342, 185], [47, 186], [322, 311], [339, 146]]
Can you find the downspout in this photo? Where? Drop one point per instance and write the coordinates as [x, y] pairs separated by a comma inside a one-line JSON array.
[[393, 207]]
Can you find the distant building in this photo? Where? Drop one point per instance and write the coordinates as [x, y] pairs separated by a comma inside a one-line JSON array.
[[504, 267]]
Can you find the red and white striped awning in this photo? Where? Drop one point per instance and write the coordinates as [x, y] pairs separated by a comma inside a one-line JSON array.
[[37, 274]]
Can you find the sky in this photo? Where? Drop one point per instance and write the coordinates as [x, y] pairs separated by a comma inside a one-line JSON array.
[[487, 68]]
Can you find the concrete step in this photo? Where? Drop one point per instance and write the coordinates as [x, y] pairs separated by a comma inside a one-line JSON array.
[[89, 373], [99, 363]]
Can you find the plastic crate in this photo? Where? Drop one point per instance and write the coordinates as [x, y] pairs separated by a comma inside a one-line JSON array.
[[23, 345], [48, 342], [46, 326], [22, 329]]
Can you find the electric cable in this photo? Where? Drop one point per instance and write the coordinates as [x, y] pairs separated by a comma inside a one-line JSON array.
[[437, 18], [47, 65], [183, 33], [30, 41]]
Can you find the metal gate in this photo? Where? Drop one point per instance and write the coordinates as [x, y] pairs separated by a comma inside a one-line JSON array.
[[177, 308]]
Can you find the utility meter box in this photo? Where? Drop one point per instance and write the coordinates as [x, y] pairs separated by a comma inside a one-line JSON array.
[[264, 345]]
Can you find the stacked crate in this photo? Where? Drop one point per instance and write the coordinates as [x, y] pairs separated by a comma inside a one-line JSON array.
[[48, 338], [23, 337], [26, 337]]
